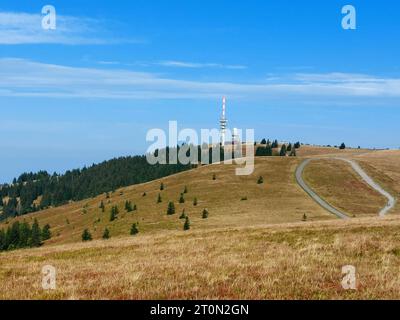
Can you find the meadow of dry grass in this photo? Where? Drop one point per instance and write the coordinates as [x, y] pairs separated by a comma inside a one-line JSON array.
[[278, 200], [298, 261], [257, 248], [337, 183]]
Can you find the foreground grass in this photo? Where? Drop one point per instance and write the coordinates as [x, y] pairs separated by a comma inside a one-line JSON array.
[[295, 261]]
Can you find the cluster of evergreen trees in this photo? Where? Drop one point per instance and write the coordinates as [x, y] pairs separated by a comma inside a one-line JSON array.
[[266, 148], [78, 184], [22, 235]]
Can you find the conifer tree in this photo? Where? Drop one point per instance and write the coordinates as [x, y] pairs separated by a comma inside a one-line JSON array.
[[181, 199], [183, 215], [102, 207], [195, 201], [35, 240], [282, 153], [171, 208], [162, 186], [86, 235], [186, 226], [260, 180], [214, 177], [159, 199], [205, 214], [46, 233], [134, 229], [106, 234], [185, 190]]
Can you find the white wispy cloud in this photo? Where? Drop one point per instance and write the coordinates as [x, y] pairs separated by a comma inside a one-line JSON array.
[[24, 78], [26, 28], [196, 65]]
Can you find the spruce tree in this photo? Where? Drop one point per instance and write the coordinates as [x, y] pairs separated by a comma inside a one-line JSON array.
[[106, 234], [162, 186], [46, 233], [36, 233], [86, 236], [195, 201], [181, 199], [159, 199], [128, 206], [113, 214], [186, 226], [171, 208], [183, 215], [134, 229], [24, 234], [185, 190], [282, 153], [205, 214], [3, 244], [102, 207]]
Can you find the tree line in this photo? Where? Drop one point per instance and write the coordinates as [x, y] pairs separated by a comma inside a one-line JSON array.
[[22, 235]]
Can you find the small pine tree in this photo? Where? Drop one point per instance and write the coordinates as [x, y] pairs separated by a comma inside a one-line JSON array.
[[106, 234], [162, 186], [46, 233], [342, 146], [86, 235], [35, 240], [128, 206], [181, 199], [205, 214], [293, 152], [304, 217], [134, 207], [159, 199], [186, 226], [183, 215], [171, 208], [283, 151], [185, 190], [214, 177], [195, 201], [113, 214], [260, 180], [102, 206], [134, 229]]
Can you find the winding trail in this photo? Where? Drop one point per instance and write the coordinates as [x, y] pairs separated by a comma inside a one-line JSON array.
[[299, 178]]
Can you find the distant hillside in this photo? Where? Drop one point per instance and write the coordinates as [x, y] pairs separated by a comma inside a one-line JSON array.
[[78, 184]]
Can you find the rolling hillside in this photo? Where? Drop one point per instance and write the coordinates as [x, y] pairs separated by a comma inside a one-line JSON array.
[[253, 245]]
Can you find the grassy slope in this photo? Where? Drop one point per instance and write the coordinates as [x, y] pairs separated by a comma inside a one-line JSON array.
[[301, 261], [340, 185], [278, 200], [242, 251]]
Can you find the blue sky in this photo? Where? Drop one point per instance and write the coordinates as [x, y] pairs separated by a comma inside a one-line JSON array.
[[91, 89]]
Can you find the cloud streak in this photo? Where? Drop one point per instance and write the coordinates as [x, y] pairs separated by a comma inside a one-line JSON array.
[[25, 78], [26, 28]]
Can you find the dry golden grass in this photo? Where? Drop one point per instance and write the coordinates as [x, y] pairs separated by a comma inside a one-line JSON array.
[[254, 249], [337, 183], [278, 200], [384, 167], [297, 261]]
